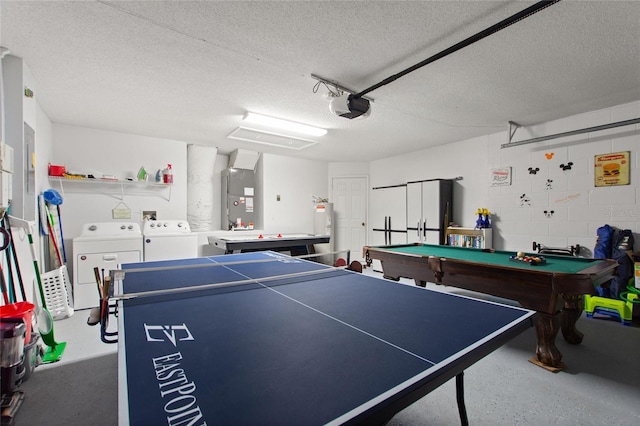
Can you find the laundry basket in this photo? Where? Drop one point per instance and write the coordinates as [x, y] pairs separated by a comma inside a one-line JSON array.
[[57, 292]]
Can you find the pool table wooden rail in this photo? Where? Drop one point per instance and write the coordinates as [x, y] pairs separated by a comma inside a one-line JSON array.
[[556, 296]]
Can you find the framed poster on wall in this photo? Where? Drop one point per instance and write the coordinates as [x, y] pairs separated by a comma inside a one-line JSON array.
[[611, 169], [501, 176]]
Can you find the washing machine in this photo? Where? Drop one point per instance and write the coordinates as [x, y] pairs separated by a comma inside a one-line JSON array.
[[168, 240], [103, 245]]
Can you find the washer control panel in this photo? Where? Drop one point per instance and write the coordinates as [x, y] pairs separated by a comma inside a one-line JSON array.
[[163, 227]]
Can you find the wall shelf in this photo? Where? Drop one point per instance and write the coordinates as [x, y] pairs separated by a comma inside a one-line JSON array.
[[112, 187], [469, 237]]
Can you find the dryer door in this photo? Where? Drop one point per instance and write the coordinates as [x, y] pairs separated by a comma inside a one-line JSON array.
[[85, 289]]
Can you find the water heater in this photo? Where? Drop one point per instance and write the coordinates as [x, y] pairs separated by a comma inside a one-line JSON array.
[[323, 225]]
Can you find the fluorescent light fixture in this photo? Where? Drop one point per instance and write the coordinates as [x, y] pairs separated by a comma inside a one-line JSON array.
[[270, 138], [263, 120]]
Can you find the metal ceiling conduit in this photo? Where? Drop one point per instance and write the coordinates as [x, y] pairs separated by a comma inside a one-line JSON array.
[[537, 7], [515, 126]]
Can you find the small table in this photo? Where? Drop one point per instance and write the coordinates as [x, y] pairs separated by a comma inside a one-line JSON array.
[[553, 289]]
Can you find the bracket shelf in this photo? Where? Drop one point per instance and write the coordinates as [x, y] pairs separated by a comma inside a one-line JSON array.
[[115, 188]]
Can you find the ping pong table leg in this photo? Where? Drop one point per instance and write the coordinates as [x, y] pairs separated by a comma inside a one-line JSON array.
[[464, 421]]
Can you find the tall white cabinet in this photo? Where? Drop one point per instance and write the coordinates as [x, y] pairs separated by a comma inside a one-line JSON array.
[[429, 210], [388, 215]]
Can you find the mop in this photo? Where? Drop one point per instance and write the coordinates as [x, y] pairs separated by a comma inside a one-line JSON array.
[[51, 196], [54, 349], [52, 233]]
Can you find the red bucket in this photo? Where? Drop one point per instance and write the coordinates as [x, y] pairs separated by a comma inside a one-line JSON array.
[[22, 310], [55, 170]]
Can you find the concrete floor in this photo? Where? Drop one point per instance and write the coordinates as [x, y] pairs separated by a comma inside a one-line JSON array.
[[600, 386]]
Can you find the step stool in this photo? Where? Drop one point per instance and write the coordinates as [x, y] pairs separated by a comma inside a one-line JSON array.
[[615, 308]]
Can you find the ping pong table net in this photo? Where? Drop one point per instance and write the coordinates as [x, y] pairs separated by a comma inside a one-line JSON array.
[[109, 301]]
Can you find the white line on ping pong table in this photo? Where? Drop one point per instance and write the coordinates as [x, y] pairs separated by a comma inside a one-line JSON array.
[[343, 322]]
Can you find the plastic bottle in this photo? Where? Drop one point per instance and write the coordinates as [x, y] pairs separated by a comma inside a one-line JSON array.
[[167, 174]]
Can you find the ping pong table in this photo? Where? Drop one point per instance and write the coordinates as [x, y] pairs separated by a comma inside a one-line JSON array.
[[265, 338]]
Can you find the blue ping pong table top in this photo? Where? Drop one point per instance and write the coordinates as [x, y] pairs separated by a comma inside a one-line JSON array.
[[332, 347]]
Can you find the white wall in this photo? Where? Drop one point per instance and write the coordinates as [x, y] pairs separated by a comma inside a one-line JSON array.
[[101, 152], [348, 169], [44, 145], [222, 162], [296, 181], [98, 151], [467, 159], [579, 207]]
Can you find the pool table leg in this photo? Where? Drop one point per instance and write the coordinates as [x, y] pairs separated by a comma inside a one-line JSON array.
[[547, 354], [573, 307]]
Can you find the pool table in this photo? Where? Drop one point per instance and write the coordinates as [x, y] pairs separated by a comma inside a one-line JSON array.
[[554, 289]]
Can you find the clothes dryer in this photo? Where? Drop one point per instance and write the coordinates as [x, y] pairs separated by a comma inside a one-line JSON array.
[[103, 245]]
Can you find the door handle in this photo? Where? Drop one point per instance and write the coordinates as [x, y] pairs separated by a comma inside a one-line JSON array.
[[386, 230]]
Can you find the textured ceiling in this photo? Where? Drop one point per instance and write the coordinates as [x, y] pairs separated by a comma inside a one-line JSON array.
[[189, 70]]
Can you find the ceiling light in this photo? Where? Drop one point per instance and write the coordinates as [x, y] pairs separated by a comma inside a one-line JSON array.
[[270, 138], [277, 123]]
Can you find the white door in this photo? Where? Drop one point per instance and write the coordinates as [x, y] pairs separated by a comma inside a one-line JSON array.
[[350, 211]]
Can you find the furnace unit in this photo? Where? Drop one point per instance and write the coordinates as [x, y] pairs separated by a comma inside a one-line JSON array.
[[238, 199]]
